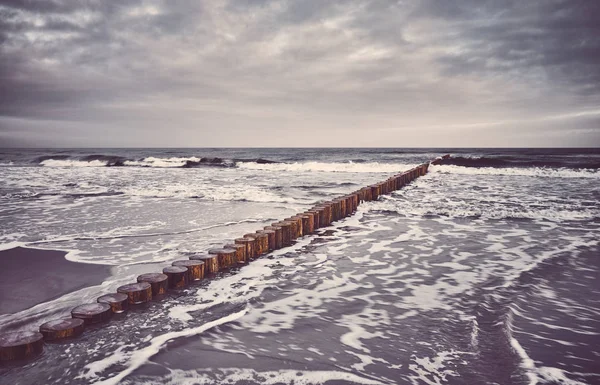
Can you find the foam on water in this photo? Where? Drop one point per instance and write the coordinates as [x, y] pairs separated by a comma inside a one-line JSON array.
[[348, 167], [143, 355], [161, 162], [538, 172], [72, 163], [233, 376]]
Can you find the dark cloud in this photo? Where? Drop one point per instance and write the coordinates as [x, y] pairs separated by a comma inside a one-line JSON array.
[[245, 67], [560, 38]]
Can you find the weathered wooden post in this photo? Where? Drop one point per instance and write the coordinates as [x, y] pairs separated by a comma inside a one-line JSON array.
[[257, 245], [308, 223], [316, 218], [374, 192], [225, 257], [159, 283], [250, 248], [195, 268], [271, 238], [20, 345], [92, 313], [341, 204], [118, 302], [287, 228], [262, 240], [278, 235], [328, 206], [137, 292], [211, 263], [240, 251], [178, 276], [289, 231], [299, 224], [62, 328]]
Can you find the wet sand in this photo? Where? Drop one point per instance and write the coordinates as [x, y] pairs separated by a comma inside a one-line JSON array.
[[32, 276]]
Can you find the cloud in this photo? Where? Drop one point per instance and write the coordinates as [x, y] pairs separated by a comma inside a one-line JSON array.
[[232, 71]]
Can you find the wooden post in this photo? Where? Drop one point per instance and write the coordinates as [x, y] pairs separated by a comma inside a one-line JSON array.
[[20, 345], [299, 227], [308, 223], [62, 328], [92, 313], [178, 276], [195, 268], [257, 245], [316, 218], [137, 292], [249, 243], [366, 194], [328, 206], [293, 229], [240, 252], [286, 232], [211, 263], [271, 238], [118, 302], [349, 205], [278, 236], [374, 192], [159, 283], [262, 240], [341, 202], [382, 188], [225, 257]]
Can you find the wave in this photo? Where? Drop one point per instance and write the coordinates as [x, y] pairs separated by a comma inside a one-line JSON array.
[[100, 160], [516, 162], [43, 158], [348, 167], [212, 193], [72, 163], [540, 172]]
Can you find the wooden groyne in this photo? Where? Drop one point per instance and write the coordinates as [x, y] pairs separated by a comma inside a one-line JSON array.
[[152, 286]]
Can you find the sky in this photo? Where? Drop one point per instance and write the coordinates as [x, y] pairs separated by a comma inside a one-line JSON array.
[[303, 73]]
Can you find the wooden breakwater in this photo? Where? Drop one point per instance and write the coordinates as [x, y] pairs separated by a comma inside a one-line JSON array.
[[27, 344]]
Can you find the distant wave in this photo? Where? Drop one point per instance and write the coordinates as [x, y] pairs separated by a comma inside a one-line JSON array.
[[259, 164], [156, 162], [328, 167], [541, 172], [508, 162]]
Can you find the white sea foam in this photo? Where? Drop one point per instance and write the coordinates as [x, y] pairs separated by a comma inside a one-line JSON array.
[[529, 171], [161, 162], [233, 192], [231, 376], [141, 356], [72, 163], [348, 167], [433, 371]]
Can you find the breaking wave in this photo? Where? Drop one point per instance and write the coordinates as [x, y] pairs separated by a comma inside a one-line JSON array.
[[328, 167], [541, 172], [155, 162], [521, 162]]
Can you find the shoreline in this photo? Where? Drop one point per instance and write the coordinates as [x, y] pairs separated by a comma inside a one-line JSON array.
[[32, 276]]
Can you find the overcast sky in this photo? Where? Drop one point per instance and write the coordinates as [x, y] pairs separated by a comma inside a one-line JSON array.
[[300, 73]]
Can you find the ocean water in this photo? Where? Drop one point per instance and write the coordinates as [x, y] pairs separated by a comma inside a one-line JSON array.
[[484, 271]]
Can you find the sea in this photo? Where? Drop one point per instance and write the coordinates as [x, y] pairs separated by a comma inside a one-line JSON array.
[[484, 271]]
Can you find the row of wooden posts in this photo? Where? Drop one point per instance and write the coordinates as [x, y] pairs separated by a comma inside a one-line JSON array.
[[27, 344]]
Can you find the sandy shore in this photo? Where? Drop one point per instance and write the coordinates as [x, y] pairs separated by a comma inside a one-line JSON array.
[[32, 276]]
